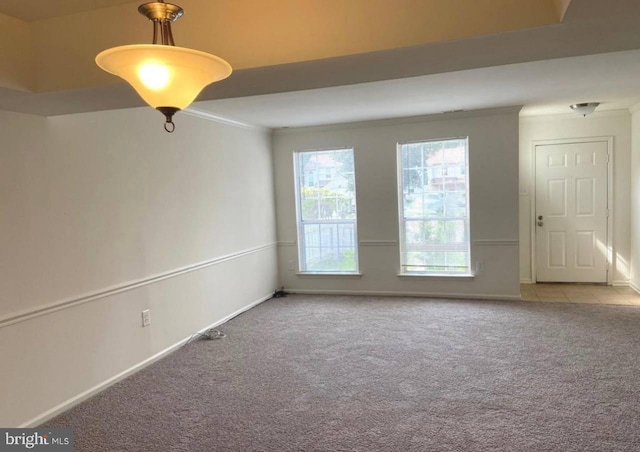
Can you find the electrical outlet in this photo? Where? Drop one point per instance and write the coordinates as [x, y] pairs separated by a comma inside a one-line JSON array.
[[291, 268], [146, 317]]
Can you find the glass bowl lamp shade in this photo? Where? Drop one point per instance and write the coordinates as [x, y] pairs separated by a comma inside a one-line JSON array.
[[585, 108], [167, 77]]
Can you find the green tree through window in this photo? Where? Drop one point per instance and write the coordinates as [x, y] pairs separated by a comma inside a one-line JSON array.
[[434, 213], [326, 209]]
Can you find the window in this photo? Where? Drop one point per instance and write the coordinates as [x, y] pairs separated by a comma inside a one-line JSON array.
[[326, 209], [434, 207]]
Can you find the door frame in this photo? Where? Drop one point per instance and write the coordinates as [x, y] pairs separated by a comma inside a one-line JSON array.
[[610, 206]]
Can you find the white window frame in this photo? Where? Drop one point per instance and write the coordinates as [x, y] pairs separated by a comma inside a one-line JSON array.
[[402, 219], [299, 222]]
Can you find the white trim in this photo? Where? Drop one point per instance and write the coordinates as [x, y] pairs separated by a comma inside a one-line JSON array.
[[571, 115], [634, 108], [442, 276], [620, 283], [480, 242], [634, 286], [41, 310], [497, 242], [73, 401], [617, 283], [610, 204], [329, 275], [611, 266], [221, 119], [374, 293], [444, 116], [378, 243]]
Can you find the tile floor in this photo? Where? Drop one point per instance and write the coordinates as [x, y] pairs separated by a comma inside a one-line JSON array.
[[580, 293]]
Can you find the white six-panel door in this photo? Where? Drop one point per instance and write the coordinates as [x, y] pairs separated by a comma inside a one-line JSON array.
[[571, 212]]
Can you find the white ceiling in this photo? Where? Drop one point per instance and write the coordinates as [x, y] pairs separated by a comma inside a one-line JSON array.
[[542, 87]]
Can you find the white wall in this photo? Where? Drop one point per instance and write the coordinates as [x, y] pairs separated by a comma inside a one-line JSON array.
[[104, 215], [635, 199], [616, 124], [493, 158]]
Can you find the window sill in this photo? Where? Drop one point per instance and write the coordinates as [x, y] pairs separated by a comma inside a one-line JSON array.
[[329, 275], [436, 275]]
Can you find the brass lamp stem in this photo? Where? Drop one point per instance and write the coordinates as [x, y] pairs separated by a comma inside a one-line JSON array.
[[161, 14]]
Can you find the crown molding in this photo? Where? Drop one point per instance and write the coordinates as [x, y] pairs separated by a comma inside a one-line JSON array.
[[562, 116], [444, 116], [221, 119]]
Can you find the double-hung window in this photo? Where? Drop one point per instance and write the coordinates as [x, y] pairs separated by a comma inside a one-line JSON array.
[[434, 207], [326, 211]]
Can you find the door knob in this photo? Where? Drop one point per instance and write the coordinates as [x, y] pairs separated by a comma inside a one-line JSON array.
[[540, 223], [539, 217]]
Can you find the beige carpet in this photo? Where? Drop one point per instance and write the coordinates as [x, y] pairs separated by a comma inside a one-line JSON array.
[[319, 373]]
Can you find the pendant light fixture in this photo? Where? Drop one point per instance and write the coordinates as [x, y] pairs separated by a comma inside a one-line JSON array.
[[167, 77]]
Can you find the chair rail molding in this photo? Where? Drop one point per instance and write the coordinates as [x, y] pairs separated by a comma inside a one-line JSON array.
[[496, 242], [70, 302]]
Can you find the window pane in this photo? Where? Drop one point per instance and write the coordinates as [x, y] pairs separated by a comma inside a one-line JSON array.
[[326, 210], [434, 207]]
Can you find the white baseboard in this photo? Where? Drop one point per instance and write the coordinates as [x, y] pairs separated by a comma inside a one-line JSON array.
[[407, 294], [73, 401], [617, 283], [620, 283], [634, 286]]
